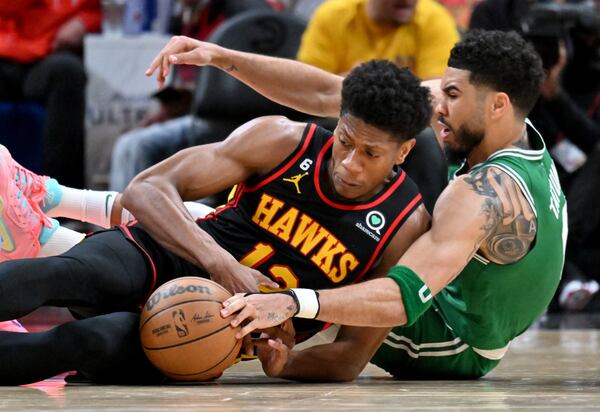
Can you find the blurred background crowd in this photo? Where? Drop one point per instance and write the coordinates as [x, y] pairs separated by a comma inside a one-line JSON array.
[[75, 105]]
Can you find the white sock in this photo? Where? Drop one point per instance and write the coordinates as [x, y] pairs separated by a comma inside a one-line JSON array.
[[90, 206], [61, 240], [196, 209]]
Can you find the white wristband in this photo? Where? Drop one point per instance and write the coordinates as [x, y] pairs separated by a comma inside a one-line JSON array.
[[308, 303]]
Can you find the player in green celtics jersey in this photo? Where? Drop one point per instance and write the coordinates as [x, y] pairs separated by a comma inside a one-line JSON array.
[[489, 264]]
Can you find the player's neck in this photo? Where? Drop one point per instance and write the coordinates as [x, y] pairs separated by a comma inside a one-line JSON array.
[[499, 136]]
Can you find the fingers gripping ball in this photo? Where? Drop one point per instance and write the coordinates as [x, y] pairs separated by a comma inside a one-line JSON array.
[[183, 333]]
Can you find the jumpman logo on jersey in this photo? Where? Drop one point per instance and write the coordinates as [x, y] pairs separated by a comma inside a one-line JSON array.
[[6, 241], [295, 180]]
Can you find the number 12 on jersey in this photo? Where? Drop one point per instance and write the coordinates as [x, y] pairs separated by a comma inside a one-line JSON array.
[[281, 274]]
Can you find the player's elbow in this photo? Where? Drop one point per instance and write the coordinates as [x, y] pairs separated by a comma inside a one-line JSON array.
[[136, 193], [129, 196], [397, 318], [391, 315]]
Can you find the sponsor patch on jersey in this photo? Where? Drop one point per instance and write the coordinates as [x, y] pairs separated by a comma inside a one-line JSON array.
[[375, 221]]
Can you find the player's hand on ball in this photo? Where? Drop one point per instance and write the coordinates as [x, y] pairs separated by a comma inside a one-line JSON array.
[[260, 311], [273, 357], [273, 348]]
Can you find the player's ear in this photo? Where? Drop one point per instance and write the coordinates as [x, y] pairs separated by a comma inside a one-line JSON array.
[[499, 104], [404, 150]]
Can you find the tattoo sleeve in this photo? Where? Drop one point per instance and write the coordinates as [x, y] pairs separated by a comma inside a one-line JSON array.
[[510, 224]]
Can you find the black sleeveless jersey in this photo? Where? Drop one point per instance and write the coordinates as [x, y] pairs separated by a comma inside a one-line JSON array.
[[284, 224]]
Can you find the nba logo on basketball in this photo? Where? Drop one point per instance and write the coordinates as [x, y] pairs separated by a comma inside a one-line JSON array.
[[180, 324]]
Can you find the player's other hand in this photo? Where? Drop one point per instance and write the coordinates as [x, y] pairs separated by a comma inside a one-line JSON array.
[[180, 50], [258, 311], [238, 278], [274, 346]]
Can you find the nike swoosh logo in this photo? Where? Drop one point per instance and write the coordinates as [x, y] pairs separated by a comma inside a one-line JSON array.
[[106, 205]]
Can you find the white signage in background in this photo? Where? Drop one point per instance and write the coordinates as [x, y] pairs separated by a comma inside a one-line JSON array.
[[118, 94]]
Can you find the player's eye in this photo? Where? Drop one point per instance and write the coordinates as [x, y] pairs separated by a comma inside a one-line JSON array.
[[372, 155]]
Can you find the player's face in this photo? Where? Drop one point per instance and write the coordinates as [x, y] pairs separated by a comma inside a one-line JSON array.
[[392, 11], [363, 158], [461, 113]]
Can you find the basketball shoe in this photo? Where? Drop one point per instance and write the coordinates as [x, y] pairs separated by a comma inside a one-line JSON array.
[[38, 189], [23, 225], [12, 326]]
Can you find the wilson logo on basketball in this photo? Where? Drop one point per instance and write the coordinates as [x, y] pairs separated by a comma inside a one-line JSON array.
[[184, 335], [175, 290]]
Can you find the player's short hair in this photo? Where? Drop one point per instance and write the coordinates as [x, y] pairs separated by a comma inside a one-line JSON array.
[[387, 97], [502, 61]]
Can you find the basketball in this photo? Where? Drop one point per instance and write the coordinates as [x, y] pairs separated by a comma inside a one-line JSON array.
[[183, 333]]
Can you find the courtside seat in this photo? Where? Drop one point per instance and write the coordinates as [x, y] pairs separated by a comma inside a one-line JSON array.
[[218, 95]]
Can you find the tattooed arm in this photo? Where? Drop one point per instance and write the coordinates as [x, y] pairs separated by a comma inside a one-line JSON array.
[[485, 211], [482, 211], [511, 225]]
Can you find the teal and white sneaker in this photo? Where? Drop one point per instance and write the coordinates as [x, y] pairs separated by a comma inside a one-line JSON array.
[[23, 225], [38, 189]]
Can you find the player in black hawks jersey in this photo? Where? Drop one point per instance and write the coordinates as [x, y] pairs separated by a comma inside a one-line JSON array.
[[311, 209]]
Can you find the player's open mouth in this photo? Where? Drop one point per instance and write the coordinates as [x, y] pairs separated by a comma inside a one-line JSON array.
[[445, 130]]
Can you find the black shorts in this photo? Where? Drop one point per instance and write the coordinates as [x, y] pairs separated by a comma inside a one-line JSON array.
[[164, 264], [159, 264]]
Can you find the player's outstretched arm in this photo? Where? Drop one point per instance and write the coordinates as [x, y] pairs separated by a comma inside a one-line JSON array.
[[471, 210], [339, 361], [156, 195], [291, 83]]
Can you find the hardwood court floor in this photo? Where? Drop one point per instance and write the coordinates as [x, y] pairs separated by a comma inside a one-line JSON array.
[[544, 371]]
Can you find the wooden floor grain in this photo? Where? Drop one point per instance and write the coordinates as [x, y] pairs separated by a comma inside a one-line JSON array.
[[543, 371]]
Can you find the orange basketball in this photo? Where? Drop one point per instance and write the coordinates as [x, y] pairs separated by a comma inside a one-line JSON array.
[[183, 333]]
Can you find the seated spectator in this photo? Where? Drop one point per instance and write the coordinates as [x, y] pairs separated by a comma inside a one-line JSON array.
[[40, 60], [197, 19], [174, 128], [417, 34]]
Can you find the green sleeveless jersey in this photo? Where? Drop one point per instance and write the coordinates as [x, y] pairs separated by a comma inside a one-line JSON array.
[[488, 304]]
